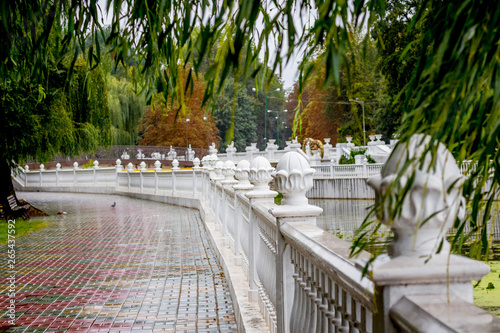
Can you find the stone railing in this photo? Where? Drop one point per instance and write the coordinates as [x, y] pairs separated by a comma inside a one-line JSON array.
[[132, 152], [301, 275], [331, 155], [142, 180], [347, 171]]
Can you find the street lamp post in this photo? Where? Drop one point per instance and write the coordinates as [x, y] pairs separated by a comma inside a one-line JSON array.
[[363, 108], [277, 124], [265, 113]]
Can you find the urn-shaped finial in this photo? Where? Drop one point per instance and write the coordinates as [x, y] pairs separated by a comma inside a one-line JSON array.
[[260, 173], [175, 164], [96, 164], [42, 167], [119, 166], [142, 166], [75, 165], [213, 161], [130, 167], [218, 170], [228, 170], [58, 166], [205, 162], [157, 166], [293, 177], [241, 172], [26, 168], [196, 163], [432, 202]]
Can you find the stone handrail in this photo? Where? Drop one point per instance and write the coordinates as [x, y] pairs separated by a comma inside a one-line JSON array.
[[301, 275]]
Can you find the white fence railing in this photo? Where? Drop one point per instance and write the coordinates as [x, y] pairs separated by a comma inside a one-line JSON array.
[[301, 276]]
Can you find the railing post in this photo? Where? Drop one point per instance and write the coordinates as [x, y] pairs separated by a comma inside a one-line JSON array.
[[293, 177], [204, 176], [26, 169], [230, 151], [119, 168], [157, 169], [75, 167], [241, 173], [142, 168], [260, 176], [218, 198], [196, 169], [175, 167], [95, 167], [130, 168], [414, 266], [42, 168], [58, 167], [229, 181]]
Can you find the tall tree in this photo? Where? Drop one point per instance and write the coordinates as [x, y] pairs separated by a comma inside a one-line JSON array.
[[400, 48], [245, 122], [50, 102], [327, 111], [126, 109], [163, 126]]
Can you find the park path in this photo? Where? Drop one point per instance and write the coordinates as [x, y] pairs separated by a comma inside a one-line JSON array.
[[140, 266]]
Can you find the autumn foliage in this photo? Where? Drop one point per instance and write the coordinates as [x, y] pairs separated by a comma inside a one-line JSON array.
[[316, 116], [164, 123]]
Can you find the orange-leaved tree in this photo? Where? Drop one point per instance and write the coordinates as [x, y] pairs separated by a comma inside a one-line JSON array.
[[162, 125], [318, 113]]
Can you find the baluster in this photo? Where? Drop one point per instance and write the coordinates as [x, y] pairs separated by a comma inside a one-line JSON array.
[[338, 310], [302, 302], [355, 319], [313, 296], [295, 276], [344, 312], [320, 301], [307, 290]]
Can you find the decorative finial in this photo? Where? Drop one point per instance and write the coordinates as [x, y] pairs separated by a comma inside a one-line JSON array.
[[432, 202]]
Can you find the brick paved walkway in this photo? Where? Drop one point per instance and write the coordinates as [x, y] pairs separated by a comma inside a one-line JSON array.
[[139, 266]]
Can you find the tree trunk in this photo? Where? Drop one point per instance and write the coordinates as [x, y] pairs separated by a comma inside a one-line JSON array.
[[6, 187]]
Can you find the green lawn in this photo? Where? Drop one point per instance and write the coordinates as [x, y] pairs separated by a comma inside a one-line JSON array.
[[22, 227], [487, 293]]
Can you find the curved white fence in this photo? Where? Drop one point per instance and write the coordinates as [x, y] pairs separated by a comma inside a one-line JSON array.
[[301, 275]]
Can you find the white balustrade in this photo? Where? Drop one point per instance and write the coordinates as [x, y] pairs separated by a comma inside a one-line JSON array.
[[301, 275]]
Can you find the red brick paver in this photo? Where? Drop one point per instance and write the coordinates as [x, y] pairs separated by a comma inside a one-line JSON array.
[[140, 266]]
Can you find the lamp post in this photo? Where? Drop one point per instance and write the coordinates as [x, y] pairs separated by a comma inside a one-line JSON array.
[[277, 124], [265, 114], [363, 108]]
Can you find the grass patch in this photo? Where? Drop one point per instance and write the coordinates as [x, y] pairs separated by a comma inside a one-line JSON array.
[[487, 293], [22, 228]]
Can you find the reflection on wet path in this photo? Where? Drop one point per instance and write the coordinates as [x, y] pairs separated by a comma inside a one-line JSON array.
[[140, 265]]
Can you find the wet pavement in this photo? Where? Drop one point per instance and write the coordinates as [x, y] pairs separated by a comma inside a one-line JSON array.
[[139, 266]]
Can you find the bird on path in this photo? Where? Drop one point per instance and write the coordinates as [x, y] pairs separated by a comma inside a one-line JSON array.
[[113, 205]]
